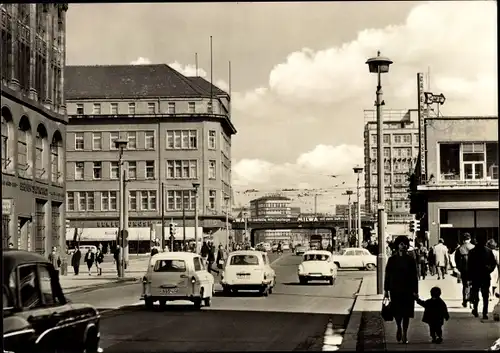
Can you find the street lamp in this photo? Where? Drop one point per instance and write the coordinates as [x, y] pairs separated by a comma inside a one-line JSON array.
[[196, 186], [380, 65], [226, 199], [349, 214], [121, 144], [358, 171]]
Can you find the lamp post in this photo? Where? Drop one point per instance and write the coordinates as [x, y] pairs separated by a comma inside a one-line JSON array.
[[196, 186], [349, 214], [226, 199], [121, 144], [358, 171], [380, 65]]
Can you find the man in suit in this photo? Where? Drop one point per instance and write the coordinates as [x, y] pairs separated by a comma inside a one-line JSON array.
[[442, 258], [461, 261]]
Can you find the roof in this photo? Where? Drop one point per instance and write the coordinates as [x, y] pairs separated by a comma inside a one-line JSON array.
[[132, 81], [271, 198], [173, 255], [205, 86], [322, 252], [13, 258], [245, 252]]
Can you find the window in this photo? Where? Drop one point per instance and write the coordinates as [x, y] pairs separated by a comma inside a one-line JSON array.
[[148, 200], [374, 139], [29, 287], [387, 152], [398, 178], [54, 160], [97, 141], [191, 107], [397, 139], [79, 141], [170, 266], [182, 139], [114, 108], [108, 200], [197, 264], [212, 140], [449, 161], [171, 108], [407, 139], [150, 169], [243, 260], [374, 153], [39, 156], [473, 160], [49, 293], [151, 108], [174, 199], [212, 194], [96, 109], [131, 108], [132, 200], [387, 166], [113, 136], [212, 166], [114, 170], [182, 169], [209, 107], [97, 170], [132, 170], [79, 109], [150, 140], [86, 201], [132, 140], [79, 170], [70, 201], [386, 139], [492, 160]]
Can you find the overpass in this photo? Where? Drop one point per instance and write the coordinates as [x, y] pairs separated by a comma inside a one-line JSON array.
[[332, 223]]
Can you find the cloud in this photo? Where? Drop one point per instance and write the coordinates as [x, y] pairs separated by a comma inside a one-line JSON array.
[[141, 61], [188, 70]]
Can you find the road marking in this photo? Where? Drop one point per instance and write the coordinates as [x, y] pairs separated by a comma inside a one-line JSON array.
[[333, 338]]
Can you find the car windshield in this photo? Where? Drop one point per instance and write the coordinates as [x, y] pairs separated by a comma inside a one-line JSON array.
[[316, 257], [242, 260], [170, 266]]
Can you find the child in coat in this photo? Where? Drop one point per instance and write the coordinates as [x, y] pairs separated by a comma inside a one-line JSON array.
[[435, 313]]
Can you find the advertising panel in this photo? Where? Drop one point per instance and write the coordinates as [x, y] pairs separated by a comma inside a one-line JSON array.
[[422, 115]]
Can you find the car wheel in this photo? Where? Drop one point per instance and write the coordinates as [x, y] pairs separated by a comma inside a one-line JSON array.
[[265, 291], [370, 267], [91, 344], [163, 303], [337, 264], [149, 303], [303, 280], [331, 281]]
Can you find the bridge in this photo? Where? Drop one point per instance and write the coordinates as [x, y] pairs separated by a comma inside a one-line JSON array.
[[333, 223]]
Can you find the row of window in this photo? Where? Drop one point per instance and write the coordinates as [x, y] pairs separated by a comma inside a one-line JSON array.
[[468, 161], [401, 152], [152, 108], [176, 169], [176, 139], [138, 200], [398, 139], [401, 178], [397, 166]]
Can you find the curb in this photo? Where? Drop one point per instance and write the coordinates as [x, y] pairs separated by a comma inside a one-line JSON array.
[[350, 340], [113, 283]]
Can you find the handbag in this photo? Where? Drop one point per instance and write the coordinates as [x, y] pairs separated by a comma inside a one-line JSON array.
[[386, 312]]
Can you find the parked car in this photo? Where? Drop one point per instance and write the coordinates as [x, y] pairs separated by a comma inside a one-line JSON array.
[[285, 246], [300, 250], [37, 317], [317, 265], [355, 258], [177, 276], [248, 270]]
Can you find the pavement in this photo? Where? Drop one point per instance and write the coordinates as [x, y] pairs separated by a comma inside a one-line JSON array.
[[294, 317], [367, 331]]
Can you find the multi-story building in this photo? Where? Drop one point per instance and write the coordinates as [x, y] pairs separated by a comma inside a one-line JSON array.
[[461, 183], [343, 210], [179, 132], [272, 206], [33, 52], [400, 143]]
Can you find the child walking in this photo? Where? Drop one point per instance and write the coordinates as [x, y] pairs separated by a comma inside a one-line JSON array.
[[435, 313]]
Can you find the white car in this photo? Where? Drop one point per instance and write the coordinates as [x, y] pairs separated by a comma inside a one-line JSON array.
[[317, 265], [267, 246], [248, 270], [177, 276], [285, 247], [355, 258]]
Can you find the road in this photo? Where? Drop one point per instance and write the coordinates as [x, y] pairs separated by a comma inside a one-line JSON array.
[[294, 317]]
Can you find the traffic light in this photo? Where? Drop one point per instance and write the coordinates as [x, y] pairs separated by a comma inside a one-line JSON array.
[[172, 229], [412, 226], [417, 225]]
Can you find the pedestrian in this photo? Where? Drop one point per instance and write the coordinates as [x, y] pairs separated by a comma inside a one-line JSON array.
[[431, 261], [89, 260], [116, 258], [55, 260], [400, 284], [75, 260], [494, 275], [211, 258], [481, 264], [99, 259], [220, 258], [442, 258], [435, 313], [462, 264], [154, 251], [421, 257], [204, 251]]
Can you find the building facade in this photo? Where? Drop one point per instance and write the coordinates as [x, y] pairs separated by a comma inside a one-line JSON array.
[[273, 206], [461, 188], [33, 52], [400, 154], [179, 132]]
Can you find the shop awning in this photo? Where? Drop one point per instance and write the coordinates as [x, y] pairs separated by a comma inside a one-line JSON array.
[[107, 234]]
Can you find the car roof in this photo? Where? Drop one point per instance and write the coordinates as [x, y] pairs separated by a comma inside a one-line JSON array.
[[13, 258], [354, 249], [320, 252], [174, 255], [245, 252]]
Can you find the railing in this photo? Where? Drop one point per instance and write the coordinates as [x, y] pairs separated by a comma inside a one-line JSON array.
[[451, 181]]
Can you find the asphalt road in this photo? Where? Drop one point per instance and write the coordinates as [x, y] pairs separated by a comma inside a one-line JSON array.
[[294, 317]]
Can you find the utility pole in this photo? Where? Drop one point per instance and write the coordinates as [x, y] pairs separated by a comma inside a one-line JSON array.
[[162, 216], [358, 171], [349, 217], [184, 219], [196, 186], [121, 144]]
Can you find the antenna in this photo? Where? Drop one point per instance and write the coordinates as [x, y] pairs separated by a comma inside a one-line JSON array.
[[211, 77], [196, 63], [429, 78], [229, 88]]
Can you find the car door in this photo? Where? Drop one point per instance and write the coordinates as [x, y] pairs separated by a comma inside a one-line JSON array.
[[268, 269], [365, 256], [352, 259], [205, 278]]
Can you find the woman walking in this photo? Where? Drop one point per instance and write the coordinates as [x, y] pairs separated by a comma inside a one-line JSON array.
[[89, 260], [401, 285], [494, 275], [99, 259]]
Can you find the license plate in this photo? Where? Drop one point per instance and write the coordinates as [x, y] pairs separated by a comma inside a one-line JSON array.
[[242, 276], [169, 291], [316, 274]]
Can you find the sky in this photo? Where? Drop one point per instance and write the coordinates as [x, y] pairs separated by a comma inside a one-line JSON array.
[[299, 79]]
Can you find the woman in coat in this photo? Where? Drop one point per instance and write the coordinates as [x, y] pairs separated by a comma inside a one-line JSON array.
[[401, 285]]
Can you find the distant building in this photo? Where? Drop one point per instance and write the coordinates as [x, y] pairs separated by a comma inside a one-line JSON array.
[[274, 206], [343, 210]]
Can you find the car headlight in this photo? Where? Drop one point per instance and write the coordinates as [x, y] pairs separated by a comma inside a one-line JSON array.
[[300, 269]]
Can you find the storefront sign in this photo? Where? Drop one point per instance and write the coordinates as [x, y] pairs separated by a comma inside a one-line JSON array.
[[422, 116], [26, 186], [7, 207], [116, 224]]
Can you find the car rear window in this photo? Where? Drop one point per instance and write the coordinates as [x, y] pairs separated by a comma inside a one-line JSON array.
[[242, 260], [316, 257], [170, 266]]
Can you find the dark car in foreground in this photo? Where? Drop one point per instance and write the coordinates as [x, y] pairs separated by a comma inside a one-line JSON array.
[[36, 315]]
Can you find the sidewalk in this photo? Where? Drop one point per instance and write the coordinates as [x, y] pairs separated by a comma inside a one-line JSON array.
[[367, 331]]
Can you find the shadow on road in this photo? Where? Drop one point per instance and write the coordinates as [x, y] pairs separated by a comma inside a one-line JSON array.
[[309, 284], [245, 294]]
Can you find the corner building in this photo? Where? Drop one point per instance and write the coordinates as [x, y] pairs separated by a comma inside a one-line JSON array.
[[32, 55], [178, 131]]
